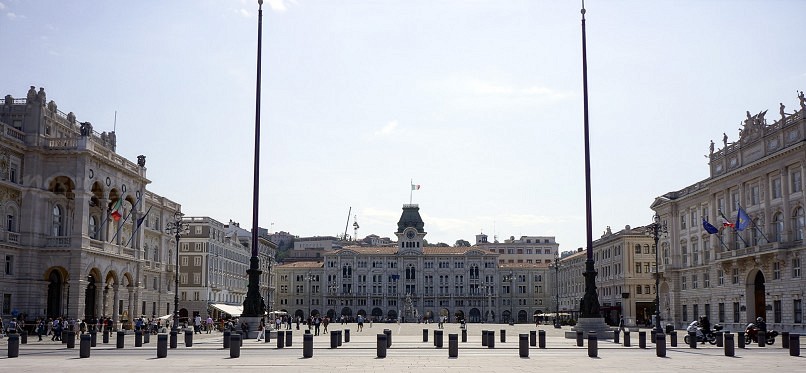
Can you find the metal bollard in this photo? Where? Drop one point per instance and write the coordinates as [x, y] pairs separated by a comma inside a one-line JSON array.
[[388, 333], [438, 338], [464, 335], [491, 339], [188, 338], [340, 338], [146, 337], [453, 345], [234, 345], [616, 335], [425, 335], [307, 346], [346, 336], [523, 345], [84, 346], [673, 338], [719, 339], [626, 339], [381, 344], [334, 341], [503, 336], [660, 344], [593, 345], [652, 336], [692, 339], [173, 335], [741, 341], [13, 345], [281, 338], [729, 351], [541, 338], [106, 336], [93, 338], [138, 338], [267, 336], [784, 339], [162, 345], [641, 339], [794, 344], [288, 336], [580, 336], [761, 336], [71, 339], [24, 337], [533, 338], [484, 337], [227, 334]]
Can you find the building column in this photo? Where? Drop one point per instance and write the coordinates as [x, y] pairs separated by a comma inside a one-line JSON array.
[[115, 302], [104, 302], [131, 307], [104, 228]]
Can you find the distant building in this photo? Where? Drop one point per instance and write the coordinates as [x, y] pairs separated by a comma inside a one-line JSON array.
[[527, 249]]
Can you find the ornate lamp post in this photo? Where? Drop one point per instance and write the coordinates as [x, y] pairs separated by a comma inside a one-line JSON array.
[[176, 227], [655, 230], [511, 278]]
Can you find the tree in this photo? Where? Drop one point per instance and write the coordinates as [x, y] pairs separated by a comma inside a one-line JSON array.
[[461, 243]]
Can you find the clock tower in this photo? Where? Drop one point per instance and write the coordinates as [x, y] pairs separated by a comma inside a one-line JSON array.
[[410, 231]]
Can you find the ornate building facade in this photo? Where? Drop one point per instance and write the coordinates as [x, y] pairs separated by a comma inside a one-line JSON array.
[[411, 282], [735, 276], [71, 207]]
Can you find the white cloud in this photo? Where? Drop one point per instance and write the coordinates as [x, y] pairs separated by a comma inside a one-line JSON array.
[[388, 129], [279, 5], [243, 12], [2, 6], [468, 93]]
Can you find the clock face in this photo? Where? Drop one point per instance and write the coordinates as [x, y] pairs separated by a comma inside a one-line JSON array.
[[410, 234]]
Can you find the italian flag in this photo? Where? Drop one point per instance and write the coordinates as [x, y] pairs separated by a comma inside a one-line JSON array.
[[415, 187], [116, 215]]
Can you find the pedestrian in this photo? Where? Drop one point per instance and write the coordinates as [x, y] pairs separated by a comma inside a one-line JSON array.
[[209, 324], [261, 331], [621, 324], [40, 328], [360, 322], [325, 322], [316, 322]]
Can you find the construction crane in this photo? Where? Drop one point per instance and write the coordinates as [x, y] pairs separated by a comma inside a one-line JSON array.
[[355, 227], [346, 225]]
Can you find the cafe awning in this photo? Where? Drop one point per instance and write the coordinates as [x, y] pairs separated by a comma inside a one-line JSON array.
[[231, 310]]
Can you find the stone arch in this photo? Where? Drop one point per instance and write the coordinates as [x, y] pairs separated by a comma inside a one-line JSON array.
[[755, 294], [57, 278], [91, 294], [62, 185]]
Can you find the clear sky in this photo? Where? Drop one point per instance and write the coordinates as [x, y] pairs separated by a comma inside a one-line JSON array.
[[480, 102]]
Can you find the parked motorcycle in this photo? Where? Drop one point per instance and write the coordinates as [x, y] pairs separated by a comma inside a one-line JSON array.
[[702, 337], [752, 335]]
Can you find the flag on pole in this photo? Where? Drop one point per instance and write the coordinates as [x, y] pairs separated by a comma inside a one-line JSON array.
[[725, 221], [140, 221], [742, 219], [415, 186], [708, 227], [116, 215]]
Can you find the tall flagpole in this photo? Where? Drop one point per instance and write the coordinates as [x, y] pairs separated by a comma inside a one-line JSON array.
[[590, 301], [254, 305], [411, 189]]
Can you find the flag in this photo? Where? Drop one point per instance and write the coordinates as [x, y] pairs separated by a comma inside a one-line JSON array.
[[415, 186], [140, 221], [708, 227], [742, 219], [116, 215], [725, 221]]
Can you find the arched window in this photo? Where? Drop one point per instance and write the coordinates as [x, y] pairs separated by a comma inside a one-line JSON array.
[[798, 223], [58, 221], [778, 227], [93, 227]]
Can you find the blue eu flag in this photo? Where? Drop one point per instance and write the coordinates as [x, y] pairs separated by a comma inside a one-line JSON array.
[[708, 227]]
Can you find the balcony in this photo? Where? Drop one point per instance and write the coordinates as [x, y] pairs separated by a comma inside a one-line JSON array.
[[13, 237], [58, 242]]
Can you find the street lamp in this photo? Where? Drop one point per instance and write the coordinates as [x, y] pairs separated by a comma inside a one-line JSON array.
[[655, 230], [557, 290], [176, 227]]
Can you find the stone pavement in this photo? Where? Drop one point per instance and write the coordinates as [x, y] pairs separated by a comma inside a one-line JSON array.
[[408, 353]]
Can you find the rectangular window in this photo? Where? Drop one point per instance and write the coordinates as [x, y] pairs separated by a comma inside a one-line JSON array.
[[638, 267], [776, 311], [735, 311], [639, 289], [798, 311], [776, 188], [797, 183], [720, 275], [707, 311], [706, 280], [796, 268], [197, 278], [721, 312], [9, 268], [682, 222], [693, 218], [683, 285], [184, 261], [696, 311], [776, 271], [197, 261], [6, 304], [754, 195], [735, 276], [694, 282]]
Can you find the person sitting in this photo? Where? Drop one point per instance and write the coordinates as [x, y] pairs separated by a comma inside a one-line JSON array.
[[705, 325]]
